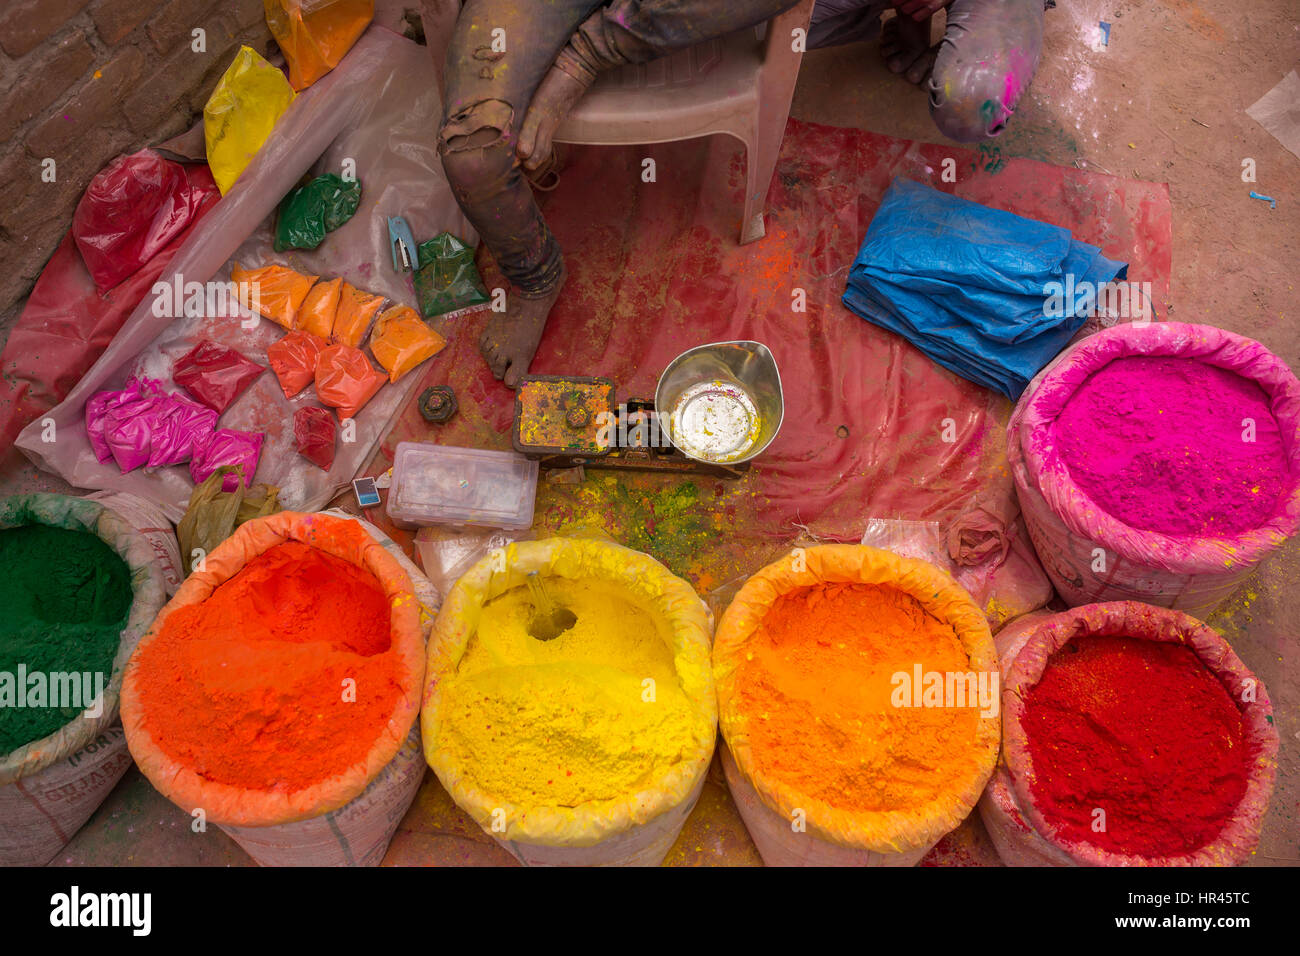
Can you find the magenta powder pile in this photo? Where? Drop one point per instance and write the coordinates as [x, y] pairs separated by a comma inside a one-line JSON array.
[[1159, 443]]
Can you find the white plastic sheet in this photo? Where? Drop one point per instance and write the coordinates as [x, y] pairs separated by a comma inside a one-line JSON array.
[[380, 108]]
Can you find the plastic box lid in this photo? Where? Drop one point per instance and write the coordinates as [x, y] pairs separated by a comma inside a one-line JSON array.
[[444, 484]]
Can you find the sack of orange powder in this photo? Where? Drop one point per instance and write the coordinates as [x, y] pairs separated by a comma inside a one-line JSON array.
[[293, 359], [314, 35], [772, 788], [348, 818], [401, 341], [274, 292]]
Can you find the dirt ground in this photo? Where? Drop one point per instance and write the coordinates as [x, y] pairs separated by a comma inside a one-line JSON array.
[[1165, 101]]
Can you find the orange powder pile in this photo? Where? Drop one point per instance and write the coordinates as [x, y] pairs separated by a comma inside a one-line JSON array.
[[249, 687], [817, 688]]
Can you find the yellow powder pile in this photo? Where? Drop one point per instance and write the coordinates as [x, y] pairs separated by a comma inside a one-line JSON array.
[[567, 721]]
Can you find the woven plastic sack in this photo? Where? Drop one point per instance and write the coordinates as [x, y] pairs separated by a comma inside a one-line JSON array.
[[315, 34], [37, 816], [357, 834], [239, 807], [836, 837], [636, 829], [240, 114], [1021, 834], [1069, 532]]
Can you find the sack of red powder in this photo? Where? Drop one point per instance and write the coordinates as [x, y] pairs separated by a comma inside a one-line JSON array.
[[313, 433], [215, 374], [227, 447], [345, 379], [1132, 736], [293, 359]]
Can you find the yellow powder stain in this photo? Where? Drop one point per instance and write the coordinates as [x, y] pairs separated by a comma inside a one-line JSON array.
[[568, 721]]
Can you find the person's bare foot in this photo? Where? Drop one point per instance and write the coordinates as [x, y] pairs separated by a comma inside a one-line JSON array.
[[510, 340], [555, 97], [905, 45]]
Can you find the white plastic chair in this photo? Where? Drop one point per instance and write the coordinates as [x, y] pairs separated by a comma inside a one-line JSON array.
[[740, 85]]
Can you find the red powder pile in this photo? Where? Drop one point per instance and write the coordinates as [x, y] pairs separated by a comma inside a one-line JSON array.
[[249, 688], [1158, 443], [1142, 730]]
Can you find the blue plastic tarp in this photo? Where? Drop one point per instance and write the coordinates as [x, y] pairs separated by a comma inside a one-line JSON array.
[[973, 287]]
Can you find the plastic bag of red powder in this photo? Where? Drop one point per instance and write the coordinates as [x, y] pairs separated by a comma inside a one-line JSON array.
[[129, 213], [293, 359], [346, 380], [214, 374], [227, 447], [313, 433]]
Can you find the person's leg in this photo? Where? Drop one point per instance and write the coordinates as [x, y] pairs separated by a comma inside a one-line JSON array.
[[487, 94], [623, 32], [985, 61]]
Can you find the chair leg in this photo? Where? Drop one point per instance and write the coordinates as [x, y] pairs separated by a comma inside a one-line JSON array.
[[752, 226]]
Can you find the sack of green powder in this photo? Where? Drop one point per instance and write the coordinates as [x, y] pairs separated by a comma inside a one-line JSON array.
[[621, 790], [50, 786], [1026, 832], [447, 284], [212, 514], [314, 209]]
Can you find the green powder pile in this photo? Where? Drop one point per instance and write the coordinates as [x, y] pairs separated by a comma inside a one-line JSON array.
[[64, 599]]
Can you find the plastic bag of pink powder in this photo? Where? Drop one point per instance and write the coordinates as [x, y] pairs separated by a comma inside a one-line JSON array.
[[98, 410], [228, 447], [215, 374], [1091, 555], [179, 426], [124, 427]]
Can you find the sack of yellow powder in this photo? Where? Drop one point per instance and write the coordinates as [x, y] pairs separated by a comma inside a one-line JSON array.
[[278, 692], [588, 748], [240, 114], [86, 756], [858, 700]]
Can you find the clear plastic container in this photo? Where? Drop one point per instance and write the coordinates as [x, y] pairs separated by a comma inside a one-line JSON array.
[[443, 484]]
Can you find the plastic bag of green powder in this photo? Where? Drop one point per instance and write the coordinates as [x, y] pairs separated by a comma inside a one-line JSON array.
[[447, 280], [308, 212], [212, 514]]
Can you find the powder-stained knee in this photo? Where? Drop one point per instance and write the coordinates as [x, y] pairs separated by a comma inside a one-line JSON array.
[[478, 148]]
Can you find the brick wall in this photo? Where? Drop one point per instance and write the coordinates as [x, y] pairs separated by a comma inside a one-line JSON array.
[[84, 80]]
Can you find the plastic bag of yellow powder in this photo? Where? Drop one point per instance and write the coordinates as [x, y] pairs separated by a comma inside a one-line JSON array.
[[589, 748], [240, 114]]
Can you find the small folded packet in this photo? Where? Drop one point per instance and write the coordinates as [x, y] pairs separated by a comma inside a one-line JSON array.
[[313, 434], [356, 308], [345, 379], [401, 341], [215, 374], [293, 359], [319, 308], [275, 292]]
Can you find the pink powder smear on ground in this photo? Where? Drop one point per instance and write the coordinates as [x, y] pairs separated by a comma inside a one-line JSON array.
[[1158, 443]]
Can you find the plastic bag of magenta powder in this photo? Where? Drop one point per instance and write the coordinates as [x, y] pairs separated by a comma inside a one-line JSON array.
[[227, 447]]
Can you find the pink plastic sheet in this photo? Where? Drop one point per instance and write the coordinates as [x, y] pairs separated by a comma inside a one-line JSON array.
[[380, 109]]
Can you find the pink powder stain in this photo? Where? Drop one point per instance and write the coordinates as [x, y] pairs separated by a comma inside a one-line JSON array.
[[1157, 442]]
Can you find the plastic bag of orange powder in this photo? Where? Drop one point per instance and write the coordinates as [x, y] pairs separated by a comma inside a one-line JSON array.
[[346, 380], [316, 315], [223, 803], [314, 35], [274, 292], [837, 836], [402, 341], [293, 359], [356, 308]]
